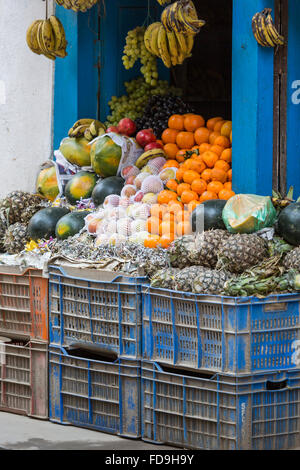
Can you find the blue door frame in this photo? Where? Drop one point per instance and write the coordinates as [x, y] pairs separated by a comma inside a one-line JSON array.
[[76, 83]]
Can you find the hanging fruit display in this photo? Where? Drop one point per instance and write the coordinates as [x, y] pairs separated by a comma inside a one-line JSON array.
[[265, 31], [77, 5], [47, 37]]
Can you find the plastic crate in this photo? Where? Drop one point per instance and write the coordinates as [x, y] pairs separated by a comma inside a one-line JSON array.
[[221, 334], [96, 307], [220, 412], [98, 394], [23, 302], [24, 377]]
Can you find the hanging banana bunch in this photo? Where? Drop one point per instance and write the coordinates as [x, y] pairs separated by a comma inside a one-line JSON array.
[[77, 5], [163, 2], [172, 39], [264, 29], [47, 37]]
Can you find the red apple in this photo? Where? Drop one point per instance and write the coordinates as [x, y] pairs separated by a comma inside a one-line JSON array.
[[145, 137], [127, 126], [113, 129], [153, 145]]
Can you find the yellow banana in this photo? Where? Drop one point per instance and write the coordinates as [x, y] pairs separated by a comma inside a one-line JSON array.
[[181, 39], [163, 47], [48, 36], [154, 40], [149, 36], [58, 31], [261, 41], [172, 44], [277, 38], [263, 32], [31, 37]]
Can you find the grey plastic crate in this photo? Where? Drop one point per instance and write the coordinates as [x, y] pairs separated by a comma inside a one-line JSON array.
[[103, 395], [220, 412], [24, 378]]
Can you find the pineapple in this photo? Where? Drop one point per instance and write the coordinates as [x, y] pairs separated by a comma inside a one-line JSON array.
[[292, 259], [241, 251], [164, 278], [206, 246], [210, 281], [3, 228], [179, 251], [183, 280], [20, 206], [15, 238]]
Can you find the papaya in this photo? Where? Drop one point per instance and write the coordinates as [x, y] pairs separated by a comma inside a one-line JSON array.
[[76, 151], [81, 185], [105, 187], [43, 223], [105, 156], [46, 183], [70, 224]]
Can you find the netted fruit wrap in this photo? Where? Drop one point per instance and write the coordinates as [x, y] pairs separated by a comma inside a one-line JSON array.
[[65, 170], [248, 213]]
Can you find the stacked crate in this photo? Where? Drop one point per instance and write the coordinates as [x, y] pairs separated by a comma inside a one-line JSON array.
[[220, 372], [95, 349], [23, 341]]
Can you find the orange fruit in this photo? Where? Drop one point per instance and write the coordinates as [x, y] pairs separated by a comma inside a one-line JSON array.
[[212, 122], [151, 241], [222, 165], [176, 122], [172, 185], [226, 194], [182, 216], [192, 205], [153, 224], [183, 187], [157, 210], [185, 140], [165, 240], [183, 228], [169, 136], [189, 176], [204, 147], [228, 185], [175, 206], [209, 158], [179, 174], [181, 155], [171, 164], [217, 149], [218, 126], [226, 129], [218, 175], [169, 216], [167, 227], [188, 196], [171, 150], [166, 196], [195, 165], [222, 141], [201, 135], [199, 186], [160, 142], [215, 186], [226, 155], [193, 122], [213, 136], [207, 196], [206, 175], [229, 175]]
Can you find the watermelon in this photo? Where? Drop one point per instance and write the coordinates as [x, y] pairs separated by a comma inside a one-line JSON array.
[[288, 224], [105, 156], [105, 187], [70, 224], [81, 185], [46, 183], [43, 223], [76, 151], [208, 215]]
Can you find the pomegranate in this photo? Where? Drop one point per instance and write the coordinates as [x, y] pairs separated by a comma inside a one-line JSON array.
[[127, 127], [145, 137], [153, 145], [113, 129]]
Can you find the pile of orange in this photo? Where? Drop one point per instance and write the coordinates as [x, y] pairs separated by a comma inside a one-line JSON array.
[[202, 153], [168, 221]]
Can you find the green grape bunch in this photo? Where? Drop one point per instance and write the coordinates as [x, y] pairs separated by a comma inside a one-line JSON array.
[[134, 50]]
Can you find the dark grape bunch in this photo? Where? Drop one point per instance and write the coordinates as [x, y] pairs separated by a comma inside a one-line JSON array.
[[158, 110]]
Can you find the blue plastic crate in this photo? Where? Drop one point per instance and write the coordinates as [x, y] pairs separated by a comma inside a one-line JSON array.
[[97, 394], [95, 307], [220, 412], [221, 334]]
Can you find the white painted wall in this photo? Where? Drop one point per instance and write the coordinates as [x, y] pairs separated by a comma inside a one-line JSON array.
[[26, 97]]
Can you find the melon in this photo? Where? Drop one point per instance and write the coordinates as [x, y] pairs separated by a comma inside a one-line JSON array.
[[208, 215], [288, 224], [43, 223], [70, 224], [105, 187]]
